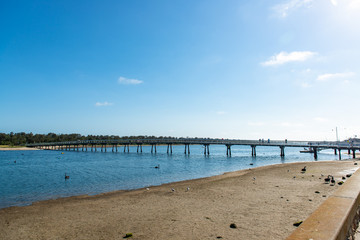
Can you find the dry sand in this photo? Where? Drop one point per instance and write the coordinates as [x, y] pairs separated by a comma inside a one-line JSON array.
[[16, 148], [262, 208]]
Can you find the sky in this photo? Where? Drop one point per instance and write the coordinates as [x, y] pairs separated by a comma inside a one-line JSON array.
[[239, 69]]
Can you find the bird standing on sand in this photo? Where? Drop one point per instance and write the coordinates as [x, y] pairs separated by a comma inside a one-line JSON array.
[[332, 179], [328, 178], [304, 169], [173, 190]]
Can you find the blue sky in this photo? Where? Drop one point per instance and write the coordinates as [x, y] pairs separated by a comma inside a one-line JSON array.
[[206, 68]]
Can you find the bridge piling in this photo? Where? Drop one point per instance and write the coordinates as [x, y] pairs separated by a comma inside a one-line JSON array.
[[315, 153], [339, 154], [253, 150], [282, 151], [228, 150]]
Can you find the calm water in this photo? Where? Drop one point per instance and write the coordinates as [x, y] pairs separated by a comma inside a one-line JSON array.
[[39, 175]]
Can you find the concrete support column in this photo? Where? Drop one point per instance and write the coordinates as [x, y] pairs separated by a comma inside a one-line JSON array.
[[187, 146], [282, 151], [335, 151], [353, 153], [339, 154], [253, 150], [315, 153], [228, 150]]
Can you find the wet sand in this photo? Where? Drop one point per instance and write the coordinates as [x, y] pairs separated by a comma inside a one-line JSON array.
[[262, 202]]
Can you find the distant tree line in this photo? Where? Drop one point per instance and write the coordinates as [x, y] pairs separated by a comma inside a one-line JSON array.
[[18, 139]]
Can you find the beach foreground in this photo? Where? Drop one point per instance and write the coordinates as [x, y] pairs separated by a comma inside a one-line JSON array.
[[262, 202]]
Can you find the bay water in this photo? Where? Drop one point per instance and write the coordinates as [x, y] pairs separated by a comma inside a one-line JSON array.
[[29, 176]]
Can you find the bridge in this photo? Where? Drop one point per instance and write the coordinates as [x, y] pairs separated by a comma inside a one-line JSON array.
[[94, 145]]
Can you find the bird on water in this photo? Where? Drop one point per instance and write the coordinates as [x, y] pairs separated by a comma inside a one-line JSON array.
[[67, 176]]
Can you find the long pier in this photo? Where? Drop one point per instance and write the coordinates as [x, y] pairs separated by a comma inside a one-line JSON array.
[[94, 145]]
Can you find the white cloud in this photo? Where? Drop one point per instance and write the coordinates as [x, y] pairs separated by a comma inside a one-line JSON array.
[[330, 76], [284, 57], [103, 104], [334, 2], [128, 81], [283, 10]]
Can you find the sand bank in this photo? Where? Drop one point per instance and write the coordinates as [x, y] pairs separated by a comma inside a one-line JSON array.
[[16, 148], [263, 202]]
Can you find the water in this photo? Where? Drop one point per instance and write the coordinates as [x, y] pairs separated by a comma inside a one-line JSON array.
[[40, 175]]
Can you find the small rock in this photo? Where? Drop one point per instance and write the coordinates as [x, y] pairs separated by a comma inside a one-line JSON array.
[[317, 192], [343, 178], [219, 237], [324, 195], [348, 175], [341, 182], [251, 164], [233, 225], [296, 224], [355, 163], [310, 200]]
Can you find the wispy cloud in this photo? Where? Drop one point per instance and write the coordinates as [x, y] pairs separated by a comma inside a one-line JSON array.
[[334, 2], [129, 81], [284, 9], [284, 57], [330, 76], [103, 104]]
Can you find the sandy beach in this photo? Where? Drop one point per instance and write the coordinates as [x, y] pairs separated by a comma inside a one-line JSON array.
[[262, 202], [17, 149]]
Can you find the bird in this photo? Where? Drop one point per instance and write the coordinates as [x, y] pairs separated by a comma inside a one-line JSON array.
[[173, 190], [327, 179], [67, 176], [304, 169], [188, 189], [332, 179], [158, 166]]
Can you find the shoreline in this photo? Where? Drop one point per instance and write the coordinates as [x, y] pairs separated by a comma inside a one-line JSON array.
[[265, 207], [18, 149]]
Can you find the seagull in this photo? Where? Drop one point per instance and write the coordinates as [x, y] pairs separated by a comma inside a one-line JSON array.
[[173, 190], [304, 169], [188, 189]]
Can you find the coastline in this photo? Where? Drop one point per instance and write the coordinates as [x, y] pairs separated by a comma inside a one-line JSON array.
[[262, 208], [18, 149]]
